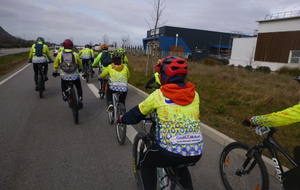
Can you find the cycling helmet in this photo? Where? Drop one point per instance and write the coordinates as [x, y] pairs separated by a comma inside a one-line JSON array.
[[121, 50], [116, 58], [40, 39], [86, 45], [104, 47], [171, 67], [116, 54], [68, 44]]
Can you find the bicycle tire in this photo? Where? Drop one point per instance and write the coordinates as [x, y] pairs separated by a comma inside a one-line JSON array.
[[87, 74], [41, 84], [139, 148], [110, 115], [74, 106], [235, 175], [120, 128], [91, 69]]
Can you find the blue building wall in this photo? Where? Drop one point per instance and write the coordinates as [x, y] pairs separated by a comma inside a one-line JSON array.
[[165, 42]]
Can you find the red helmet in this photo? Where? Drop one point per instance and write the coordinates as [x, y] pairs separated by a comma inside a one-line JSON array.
[[171, 66], [68, 44]]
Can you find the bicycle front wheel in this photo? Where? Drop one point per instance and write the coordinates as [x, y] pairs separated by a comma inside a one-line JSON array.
[[120, 128], [74, 107], [110, 116], [140, 146], [41, 85], [241, 169]]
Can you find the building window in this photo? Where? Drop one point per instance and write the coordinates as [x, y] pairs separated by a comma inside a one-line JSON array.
[[294, 56]]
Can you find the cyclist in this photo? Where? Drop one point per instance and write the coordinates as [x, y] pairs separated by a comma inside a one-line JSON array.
[[287, 116], [86, 54], [123, 56], [39, 53], [118, 76], [154, 79], [67, 76], [178, 133], [102, 61]]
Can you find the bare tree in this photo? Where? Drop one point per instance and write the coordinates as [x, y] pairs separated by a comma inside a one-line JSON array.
[[125, 40], [158, 8], [105, 39]]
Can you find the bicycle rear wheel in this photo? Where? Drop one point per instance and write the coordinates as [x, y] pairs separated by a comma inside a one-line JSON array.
[[139, 148], [73, 105], [41, 84], [120, 128], [241, 170], [87, 74], [91, 69]]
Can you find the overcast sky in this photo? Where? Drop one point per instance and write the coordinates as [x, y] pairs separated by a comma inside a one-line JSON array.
[[87, 21]]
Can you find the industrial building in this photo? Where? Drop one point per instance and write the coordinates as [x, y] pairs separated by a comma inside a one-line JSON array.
[[185, 41]]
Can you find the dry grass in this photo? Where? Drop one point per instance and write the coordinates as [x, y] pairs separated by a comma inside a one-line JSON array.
[[229, 95]]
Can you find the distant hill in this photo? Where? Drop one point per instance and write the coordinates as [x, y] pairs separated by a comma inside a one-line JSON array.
[[9, 41]]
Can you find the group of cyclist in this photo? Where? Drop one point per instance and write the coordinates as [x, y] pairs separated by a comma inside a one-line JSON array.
[[175, 106]]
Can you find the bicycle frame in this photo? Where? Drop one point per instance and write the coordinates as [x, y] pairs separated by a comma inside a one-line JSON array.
[[115, 98], [273, 145]]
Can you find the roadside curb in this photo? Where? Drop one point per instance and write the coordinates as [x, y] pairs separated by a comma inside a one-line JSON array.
[[216, 135]]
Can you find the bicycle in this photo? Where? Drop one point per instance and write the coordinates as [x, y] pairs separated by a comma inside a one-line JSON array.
[[72, 100], [118, 109], [41, 79], [88, 70], [168, 177], [242, 166]]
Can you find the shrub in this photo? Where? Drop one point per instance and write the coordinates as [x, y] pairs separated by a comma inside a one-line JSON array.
[[263, 69], [293, 71], [249, 68]]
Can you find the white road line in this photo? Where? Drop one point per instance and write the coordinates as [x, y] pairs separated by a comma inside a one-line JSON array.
[[2, 82], [130, 132]]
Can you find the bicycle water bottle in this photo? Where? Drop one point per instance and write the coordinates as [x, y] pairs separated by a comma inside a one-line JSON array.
[[163, 179]]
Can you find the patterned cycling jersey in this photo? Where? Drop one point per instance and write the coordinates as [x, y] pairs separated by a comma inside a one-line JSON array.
[[118, 76], [69, 76], [178, 127], [285, 117]]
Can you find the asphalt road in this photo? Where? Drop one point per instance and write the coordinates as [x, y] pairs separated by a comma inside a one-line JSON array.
[[42, 148], [12, 51]]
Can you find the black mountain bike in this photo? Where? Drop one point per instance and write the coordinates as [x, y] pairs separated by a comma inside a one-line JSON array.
[[41, 79], [73, 101], [168, 176], [242, 166], [88, 70], [113, 115]]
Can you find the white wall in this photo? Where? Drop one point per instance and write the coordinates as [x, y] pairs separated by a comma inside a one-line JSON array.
[[279, 25], [243, 50]]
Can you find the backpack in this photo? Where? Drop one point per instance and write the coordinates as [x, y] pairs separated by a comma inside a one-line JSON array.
[[39, 50], [68, 63], [105, 59]]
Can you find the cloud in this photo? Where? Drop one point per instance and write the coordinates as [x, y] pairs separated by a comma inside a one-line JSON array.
[[88, 21]]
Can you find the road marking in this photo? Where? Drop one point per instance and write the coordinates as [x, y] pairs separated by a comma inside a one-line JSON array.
[[2, 82]]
